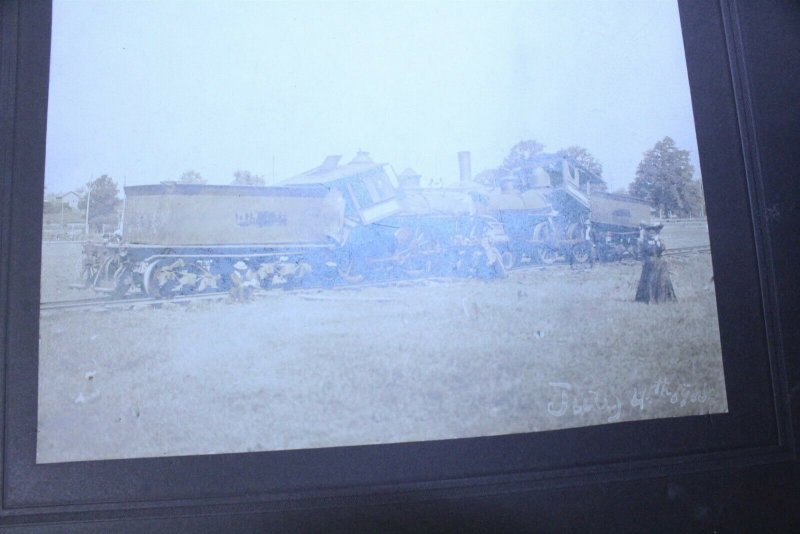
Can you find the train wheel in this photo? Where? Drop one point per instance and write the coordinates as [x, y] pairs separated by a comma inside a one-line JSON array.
[[160, 279], [418, 267], [150, 281], [546, 254], [123, 281], [574, 232], [544, 248], [488, 263], [88, 273], [508, 260], [349, 270], [499, 268], [581, 252], [195, 278]]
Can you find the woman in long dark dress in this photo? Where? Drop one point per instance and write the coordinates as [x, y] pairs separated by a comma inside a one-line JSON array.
[[655, 284]]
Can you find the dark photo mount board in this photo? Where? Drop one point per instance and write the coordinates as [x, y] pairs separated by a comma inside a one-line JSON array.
[[717, 471]]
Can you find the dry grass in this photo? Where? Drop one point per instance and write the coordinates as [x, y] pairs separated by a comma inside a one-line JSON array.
[[543, 349], [61, 267]]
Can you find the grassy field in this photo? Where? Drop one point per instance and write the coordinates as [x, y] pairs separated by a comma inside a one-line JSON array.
[[434, 359], [685, 234], [61, 268]]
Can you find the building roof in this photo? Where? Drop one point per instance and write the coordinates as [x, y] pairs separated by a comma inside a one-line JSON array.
[[330, 171]]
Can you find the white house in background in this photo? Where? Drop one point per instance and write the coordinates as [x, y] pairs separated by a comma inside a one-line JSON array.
[[70, 199]]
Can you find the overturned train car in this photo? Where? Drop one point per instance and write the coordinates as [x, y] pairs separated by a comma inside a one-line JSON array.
[[335, 223], [388, 237]]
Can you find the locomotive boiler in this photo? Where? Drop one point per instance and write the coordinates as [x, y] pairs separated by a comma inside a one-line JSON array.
[[430, 219]]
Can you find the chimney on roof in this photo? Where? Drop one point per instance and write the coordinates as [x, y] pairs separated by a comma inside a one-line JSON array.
[[464, 166]]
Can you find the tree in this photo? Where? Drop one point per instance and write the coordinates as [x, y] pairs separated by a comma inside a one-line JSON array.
[[522, 155], [583, 158], [694, 193], [521, 161], [586, 161], [192, 177], [664, 178], [103, 200], [246, 178]]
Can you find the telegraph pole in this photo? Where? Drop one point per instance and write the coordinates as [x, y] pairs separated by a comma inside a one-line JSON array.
[[88, 200]]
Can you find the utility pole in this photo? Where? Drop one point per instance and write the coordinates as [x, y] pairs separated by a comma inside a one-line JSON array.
[[88, 200], [702, 199], [61, 199]]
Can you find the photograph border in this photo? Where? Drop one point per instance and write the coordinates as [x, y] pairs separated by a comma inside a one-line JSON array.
[[756, 431]]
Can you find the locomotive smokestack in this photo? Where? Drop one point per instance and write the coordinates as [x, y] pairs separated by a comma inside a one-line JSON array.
[[464, 166]]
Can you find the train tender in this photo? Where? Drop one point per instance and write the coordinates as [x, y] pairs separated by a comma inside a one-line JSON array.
[[333, 223], [183, 238]]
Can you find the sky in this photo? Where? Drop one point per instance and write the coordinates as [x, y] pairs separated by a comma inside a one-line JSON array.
[[144, 91]]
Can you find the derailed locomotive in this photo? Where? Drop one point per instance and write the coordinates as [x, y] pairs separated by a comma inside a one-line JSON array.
[[347, 223], [553, 209], [550, 210], [335, 223]]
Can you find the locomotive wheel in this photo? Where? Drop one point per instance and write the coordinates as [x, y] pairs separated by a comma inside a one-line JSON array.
[[194, 278], [88, 274], [509, 260], [546, 255], [544, 243], [499, 268], [108, 276], [150, 283], [581, 252], [349, 270], [123, 281], [574, 232], [158, 280], [502, 264], [418, 267], [481, 266]]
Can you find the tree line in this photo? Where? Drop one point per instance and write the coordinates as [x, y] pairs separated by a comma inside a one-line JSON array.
[[664, 177]]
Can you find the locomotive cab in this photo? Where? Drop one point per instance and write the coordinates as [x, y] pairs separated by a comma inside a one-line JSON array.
[[368, 188]]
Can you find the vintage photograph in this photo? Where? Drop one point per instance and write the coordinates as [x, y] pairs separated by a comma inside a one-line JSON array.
[[294, 225]]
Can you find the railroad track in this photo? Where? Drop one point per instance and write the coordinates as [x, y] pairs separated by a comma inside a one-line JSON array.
[[128, 302], [687, 250], [107, 302]]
